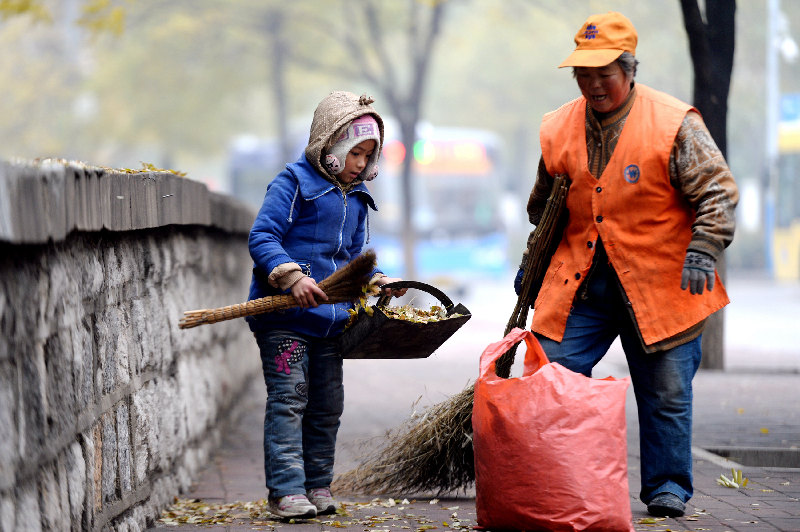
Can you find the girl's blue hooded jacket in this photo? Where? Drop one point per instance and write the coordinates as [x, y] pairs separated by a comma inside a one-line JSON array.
[[310, 219]]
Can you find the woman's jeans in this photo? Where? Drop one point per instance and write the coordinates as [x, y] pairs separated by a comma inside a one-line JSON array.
[[305, 399], [662, 381]]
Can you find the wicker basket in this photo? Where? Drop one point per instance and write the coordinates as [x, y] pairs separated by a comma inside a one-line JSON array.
[[380, 336]]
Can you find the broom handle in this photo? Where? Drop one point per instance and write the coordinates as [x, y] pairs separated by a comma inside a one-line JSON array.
[[539, 244], [252, 307], [193, 318]]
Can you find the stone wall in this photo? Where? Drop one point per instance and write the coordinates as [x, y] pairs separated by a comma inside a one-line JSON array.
[[107, 408]]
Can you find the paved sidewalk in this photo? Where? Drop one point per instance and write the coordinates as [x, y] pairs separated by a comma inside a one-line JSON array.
[[728, 413], [755, 404]]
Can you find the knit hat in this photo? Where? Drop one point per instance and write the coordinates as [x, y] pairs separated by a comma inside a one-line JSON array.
[[601, 40], [363, 128]]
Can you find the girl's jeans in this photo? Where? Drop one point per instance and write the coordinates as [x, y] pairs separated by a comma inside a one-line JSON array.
[[305, 399], [662, 381]]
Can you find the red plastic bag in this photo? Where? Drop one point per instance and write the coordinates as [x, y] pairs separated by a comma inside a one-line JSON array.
[[550, 447]]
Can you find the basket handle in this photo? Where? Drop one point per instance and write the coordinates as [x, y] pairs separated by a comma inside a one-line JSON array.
[[383, 300]]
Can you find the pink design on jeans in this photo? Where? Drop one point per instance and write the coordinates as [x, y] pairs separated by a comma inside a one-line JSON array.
[[282, 360]]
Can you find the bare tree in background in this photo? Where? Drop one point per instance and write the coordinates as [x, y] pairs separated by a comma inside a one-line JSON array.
[[402, 86], [711, 46]]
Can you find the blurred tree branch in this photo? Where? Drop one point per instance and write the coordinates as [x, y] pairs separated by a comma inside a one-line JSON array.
[[404, 94]]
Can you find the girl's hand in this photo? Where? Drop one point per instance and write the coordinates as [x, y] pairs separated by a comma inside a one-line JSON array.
[[396, 292], [306, 292]]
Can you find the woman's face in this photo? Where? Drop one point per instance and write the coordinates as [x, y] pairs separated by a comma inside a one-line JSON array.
[[605, 88]]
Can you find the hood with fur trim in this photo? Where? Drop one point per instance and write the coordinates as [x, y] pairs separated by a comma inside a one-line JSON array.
[[331, 118]]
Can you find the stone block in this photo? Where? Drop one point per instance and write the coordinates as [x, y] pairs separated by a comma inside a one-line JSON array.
[[35, 197], [61, 413], [93, 207], [127, 267], [8, 194], [63, 491], [55, 515], [118, 202], [104, 340], [28, 513], [29, 224], [9, 451], [111, 343], [171, 423], [141, 346], [124, 448], [109, 458], [76, 481], [32, 404], [152, 261], [169, 199], [8, 511], [144, 200], [137, 521], [63, 304], [145, 432], [195, 206], [74, 196], [192, 387], [19, 298], [159, 329], [92, 444], [82, 352], [53, 207], [90, 273]]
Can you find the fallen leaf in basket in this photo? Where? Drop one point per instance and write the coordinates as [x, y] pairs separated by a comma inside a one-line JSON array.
[[417, 315]]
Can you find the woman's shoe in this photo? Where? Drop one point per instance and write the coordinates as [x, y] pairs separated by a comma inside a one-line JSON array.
[[666, 505]]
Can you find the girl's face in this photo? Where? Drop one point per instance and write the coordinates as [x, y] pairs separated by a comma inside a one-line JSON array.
[[605, 88], [356, 161]]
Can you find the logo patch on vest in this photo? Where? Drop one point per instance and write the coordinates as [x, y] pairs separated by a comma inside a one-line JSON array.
[[631, 173]]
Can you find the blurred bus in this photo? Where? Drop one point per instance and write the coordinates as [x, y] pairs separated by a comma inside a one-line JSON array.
[[457, 187]]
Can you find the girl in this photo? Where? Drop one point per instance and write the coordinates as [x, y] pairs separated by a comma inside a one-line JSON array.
[[311, 223]]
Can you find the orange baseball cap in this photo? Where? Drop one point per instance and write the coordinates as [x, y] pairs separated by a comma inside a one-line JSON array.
[[601, 40]]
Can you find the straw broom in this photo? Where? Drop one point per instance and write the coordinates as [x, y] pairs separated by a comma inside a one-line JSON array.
[[432, 452], [348, 283]]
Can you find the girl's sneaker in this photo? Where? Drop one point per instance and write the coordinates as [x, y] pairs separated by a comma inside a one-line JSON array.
[[322, 500], [294, 506]]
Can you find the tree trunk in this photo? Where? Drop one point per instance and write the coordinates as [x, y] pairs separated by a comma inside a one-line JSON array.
[[711, 45], [408, 137], [406, 106]]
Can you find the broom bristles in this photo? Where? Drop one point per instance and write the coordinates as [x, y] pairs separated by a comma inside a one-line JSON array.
[[431, 452], [345, 284], [434, 453]]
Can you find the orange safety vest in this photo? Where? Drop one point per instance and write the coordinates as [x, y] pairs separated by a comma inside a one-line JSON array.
[[644, 222]]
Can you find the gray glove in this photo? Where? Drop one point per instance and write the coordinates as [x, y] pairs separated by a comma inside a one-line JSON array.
[[698, 271]]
